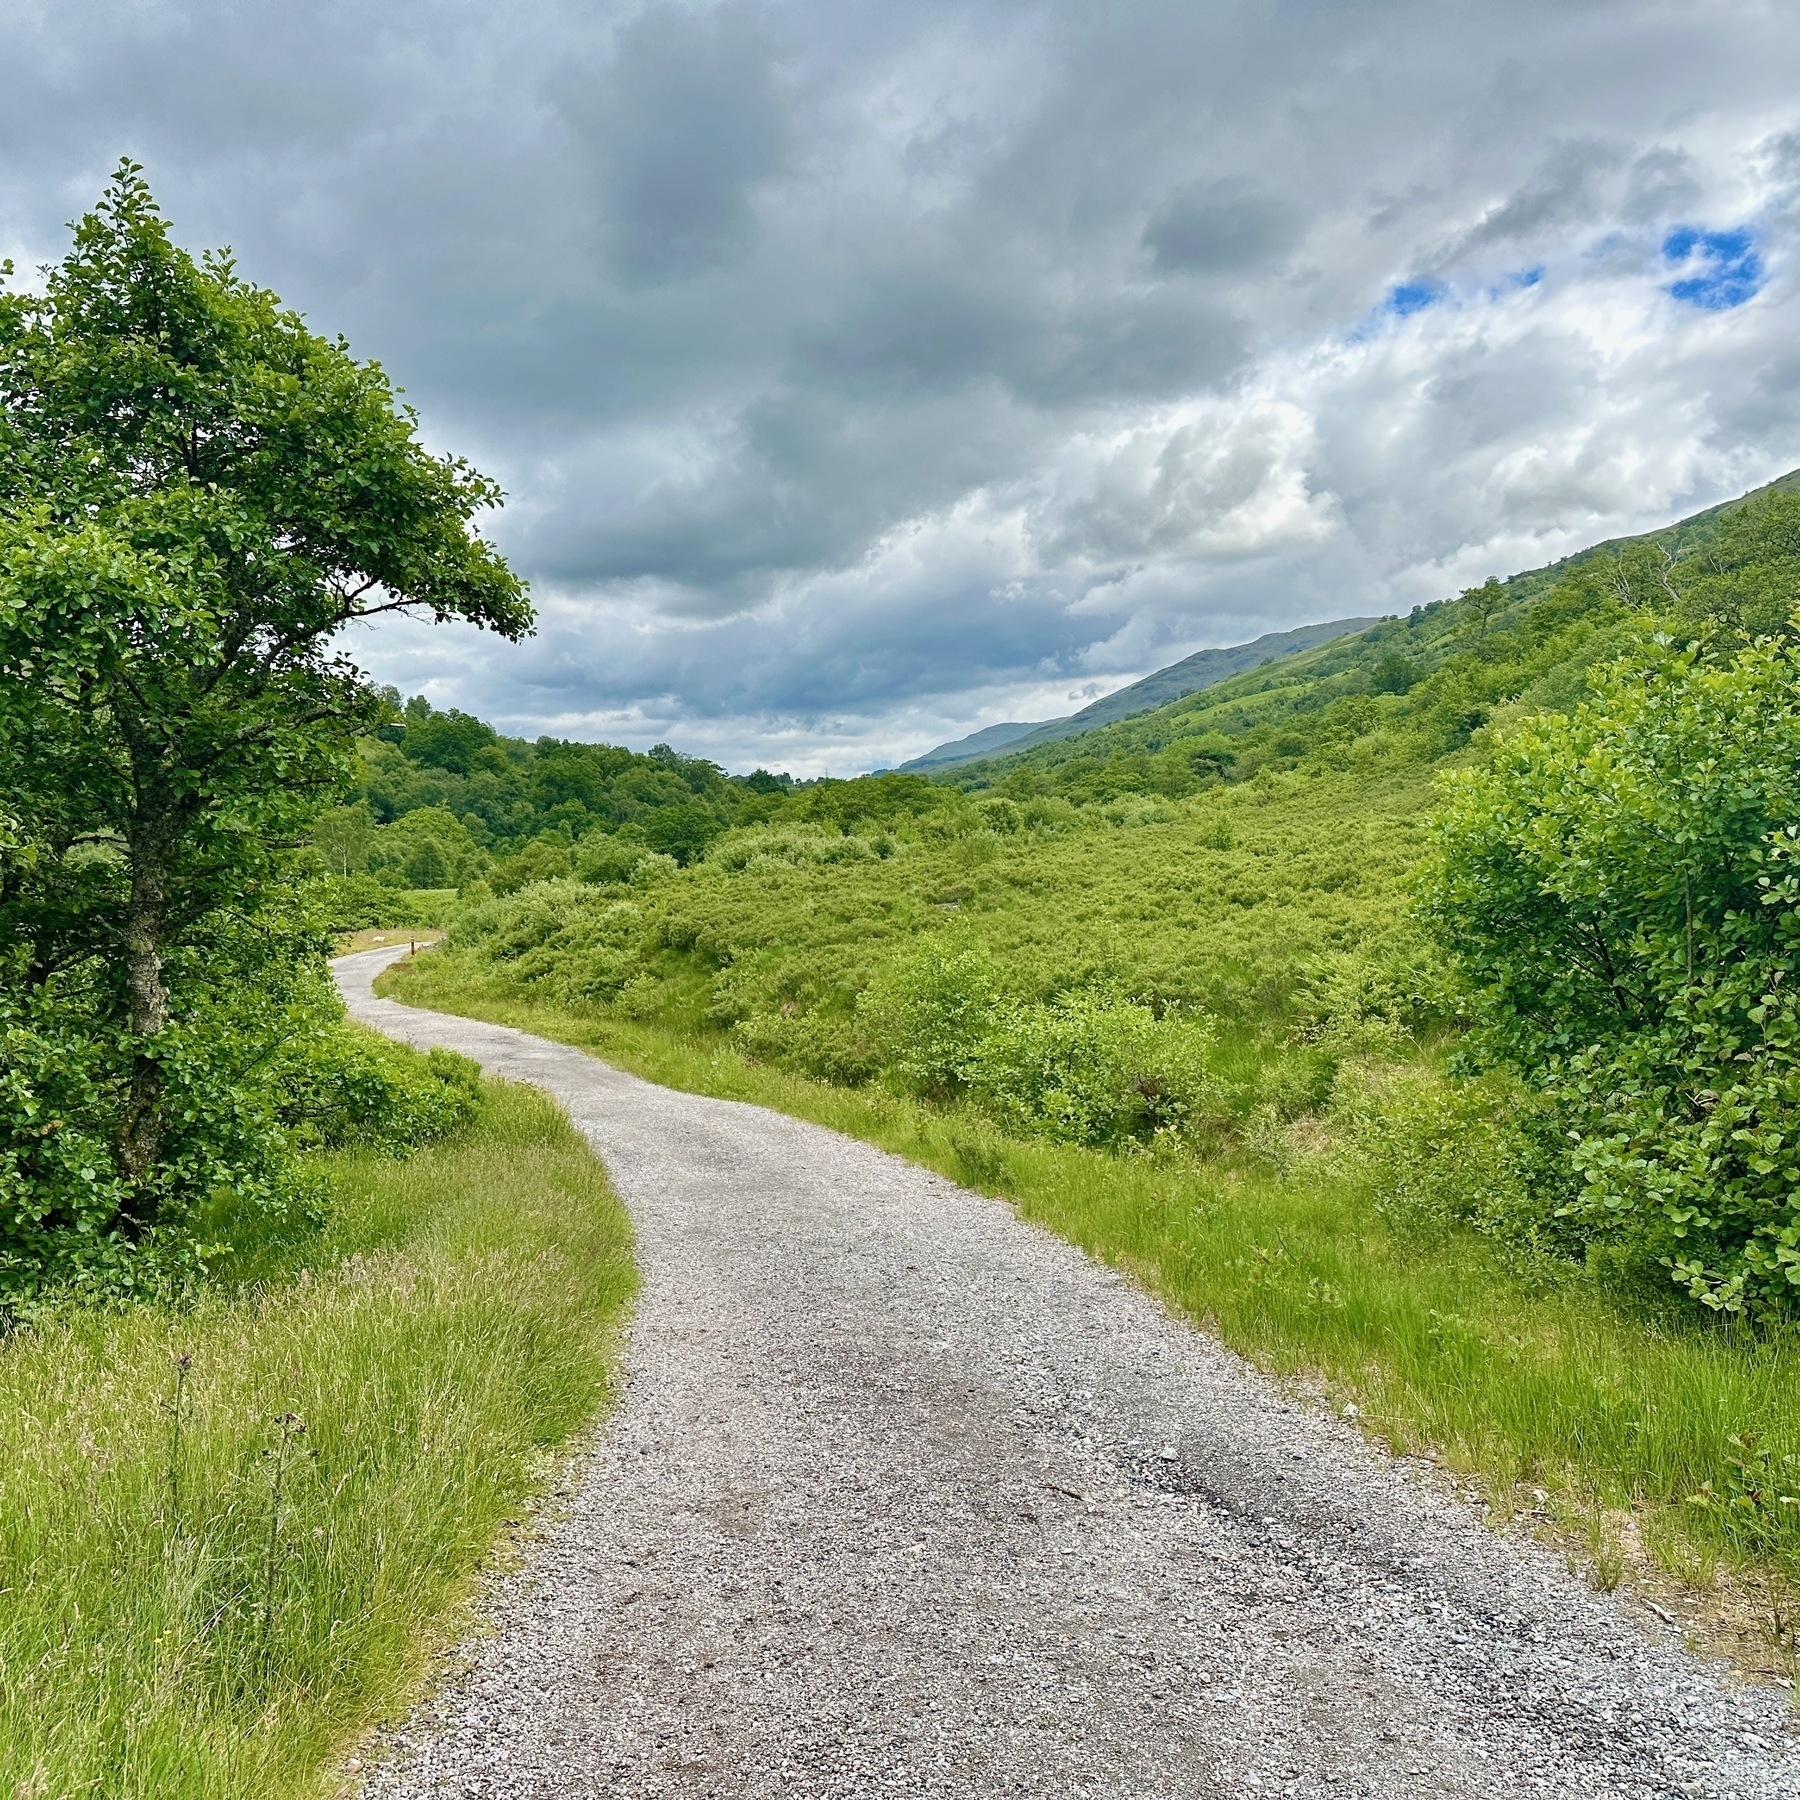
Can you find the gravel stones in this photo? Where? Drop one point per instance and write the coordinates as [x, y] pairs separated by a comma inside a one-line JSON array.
[[907, 1497]]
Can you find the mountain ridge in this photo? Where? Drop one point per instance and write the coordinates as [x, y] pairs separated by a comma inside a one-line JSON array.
[[1424, 633], [1190, 675]]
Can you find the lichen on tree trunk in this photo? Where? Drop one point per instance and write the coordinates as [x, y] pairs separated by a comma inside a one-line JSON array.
[[141, 1123]]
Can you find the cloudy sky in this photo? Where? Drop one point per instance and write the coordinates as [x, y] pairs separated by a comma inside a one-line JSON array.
[[862, 374]]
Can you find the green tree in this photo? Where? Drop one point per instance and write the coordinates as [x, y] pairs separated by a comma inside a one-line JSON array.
[[1745, 583], [1621, 891], [197, 493], [344, 836], [682, 831]]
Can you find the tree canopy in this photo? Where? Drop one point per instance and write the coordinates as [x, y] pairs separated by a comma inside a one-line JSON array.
[[198, 493], [1620, 889]]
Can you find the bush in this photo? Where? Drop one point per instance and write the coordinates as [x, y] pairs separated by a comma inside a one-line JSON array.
[[254, 1068], [793, 846], [1439, 1153], [350, 1087], [601, 859], [929, 1014], [561, 938], [361, 903], [1087, 1067], [69, 1216], [1620, 891], [540, 860], [1092, 1069]]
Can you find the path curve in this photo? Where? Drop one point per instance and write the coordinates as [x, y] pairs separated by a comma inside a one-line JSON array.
[[907, 1497]]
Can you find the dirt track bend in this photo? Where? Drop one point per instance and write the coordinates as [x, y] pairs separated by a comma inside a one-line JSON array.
[[905, 1496]]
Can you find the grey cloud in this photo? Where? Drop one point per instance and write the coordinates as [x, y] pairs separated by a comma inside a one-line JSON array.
[[682, 124], [785, 321], [1662, 184], [925, 327], [1220, 228], [1564, 189]]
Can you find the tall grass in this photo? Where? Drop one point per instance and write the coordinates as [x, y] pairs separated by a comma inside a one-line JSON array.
[[1601, 1402], [230, 1535]]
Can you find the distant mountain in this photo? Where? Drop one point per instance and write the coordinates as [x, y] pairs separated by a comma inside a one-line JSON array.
[[972, 748], [1201, 670]]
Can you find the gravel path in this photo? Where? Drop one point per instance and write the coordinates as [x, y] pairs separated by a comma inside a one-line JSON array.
[[907, 1497]]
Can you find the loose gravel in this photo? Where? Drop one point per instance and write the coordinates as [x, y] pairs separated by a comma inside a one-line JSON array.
[[905, 1496]]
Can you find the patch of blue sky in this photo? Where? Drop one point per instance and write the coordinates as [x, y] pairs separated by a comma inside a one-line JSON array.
[[1409, 297], [1720, 269], [1401, 301]]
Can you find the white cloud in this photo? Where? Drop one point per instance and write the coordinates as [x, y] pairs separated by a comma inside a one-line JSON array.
[[861, 375]]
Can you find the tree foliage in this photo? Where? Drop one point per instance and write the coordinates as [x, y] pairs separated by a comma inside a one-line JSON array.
[[197, 494], [1621, 890]]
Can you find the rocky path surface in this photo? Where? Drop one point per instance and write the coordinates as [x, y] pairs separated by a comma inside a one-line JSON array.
[[907, 1497]]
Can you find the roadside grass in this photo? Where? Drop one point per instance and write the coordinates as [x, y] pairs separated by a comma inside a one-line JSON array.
[[231, 1534], [1661, 1448]]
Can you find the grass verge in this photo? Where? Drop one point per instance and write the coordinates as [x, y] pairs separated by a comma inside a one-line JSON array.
[[230, 1535], [1650, 1446]]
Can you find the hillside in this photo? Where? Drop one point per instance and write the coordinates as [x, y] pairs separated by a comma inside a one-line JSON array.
[[1201, 670], [447, 802], [1444, 669], [1244, 848]]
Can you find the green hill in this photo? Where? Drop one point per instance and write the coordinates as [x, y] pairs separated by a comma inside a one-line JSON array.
[[1434, 676], [446, 801], [1244, 848], [1201, 670]]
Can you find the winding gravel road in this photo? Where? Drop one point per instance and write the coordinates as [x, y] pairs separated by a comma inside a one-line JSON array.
[[907, 1497]]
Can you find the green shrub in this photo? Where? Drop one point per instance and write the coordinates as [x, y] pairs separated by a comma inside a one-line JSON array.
[[70, 1218], [821, 1046], [351, 1087], [361, 903], [601, 859], [1086, 1067], [794, 846], [929, 1013], [1439, 1153], [1092, 1068], [540, 860], [1619, 892], [255, 1067]]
